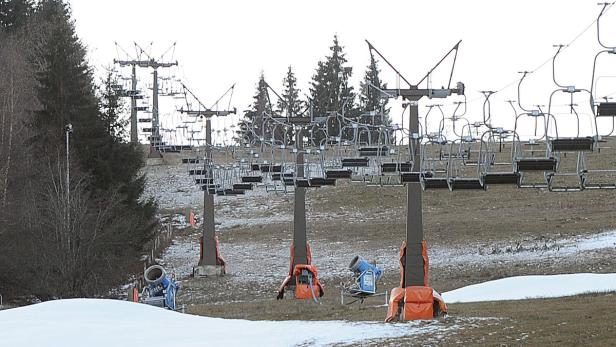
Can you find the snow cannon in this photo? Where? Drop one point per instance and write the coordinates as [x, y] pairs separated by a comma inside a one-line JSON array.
[[367, 274], [154, 275], [161, 290]]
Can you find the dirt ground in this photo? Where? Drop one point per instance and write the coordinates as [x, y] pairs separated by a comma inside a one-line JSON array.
[[588, 320], [473, 236]]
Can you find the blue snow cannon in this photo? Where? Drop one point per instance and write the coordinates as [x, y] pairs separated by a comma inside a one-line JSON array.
[[160, 290], [367, 274]]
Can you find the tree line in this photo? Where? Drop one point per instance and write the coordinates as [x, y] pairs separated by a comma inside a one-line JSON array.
[[59, 239], [330, 95]]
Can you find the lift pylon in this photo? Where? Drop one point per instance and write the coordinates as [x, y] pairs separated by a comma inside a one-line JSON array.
[[155, 64], [302, 275], [211, 261], [414, 299]]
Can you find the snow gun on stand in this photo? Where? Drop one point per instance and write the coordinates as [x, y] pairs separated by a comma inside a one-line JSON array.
[[160, 290], [363, 285]]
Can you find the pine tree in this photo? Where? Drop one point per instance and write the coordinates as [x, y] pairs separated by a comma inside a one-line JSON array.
[[319, 94], [66, 90], [112, 106], [110, 182], [370, 98], [67, 94], [258, 108], [371, 101], [330, 90], [119, 163], [290, 105], [14, 13]]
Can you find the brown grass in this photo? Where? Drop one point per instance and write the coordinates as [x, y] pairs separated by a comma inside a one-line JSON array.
[[375, 217], [587, 320]]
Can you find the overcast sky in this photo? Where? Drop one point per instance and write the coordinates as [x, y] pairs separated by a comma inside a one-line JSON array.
[[225, 42]]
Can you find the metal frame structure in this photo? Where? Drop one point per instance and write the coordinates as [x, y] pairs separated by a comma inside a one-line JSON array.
[[360, 158], [155, 64], [413, 261], [209, 263]]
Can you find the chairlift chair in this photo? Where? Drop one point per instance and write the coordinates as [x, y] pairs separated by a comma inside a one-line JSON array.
[[570, 153], [461, 176], [493, 171], [532, 157], [435, 162], [601, 166], [572, 166]]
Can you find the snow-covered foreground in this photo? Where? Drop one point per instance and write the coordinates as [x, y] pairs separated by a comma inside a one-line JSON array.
[[530, 287], [104, 323], [97, 322]]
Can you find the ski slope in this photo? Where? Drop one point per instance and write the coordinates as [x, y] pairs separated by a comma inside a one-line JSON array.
[[104, 323]]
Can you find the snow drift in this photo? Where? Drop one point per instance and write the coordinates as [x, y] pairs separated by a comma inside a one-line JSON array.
[[531, 287], [104, 323]]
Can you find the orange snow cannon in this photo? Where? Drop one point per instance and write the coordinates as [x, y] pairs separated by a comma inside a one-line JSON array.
[[414, 302]]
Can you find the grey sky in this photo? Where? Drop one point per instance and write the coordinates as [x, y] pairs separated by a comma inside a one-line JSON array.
[[221, 42]]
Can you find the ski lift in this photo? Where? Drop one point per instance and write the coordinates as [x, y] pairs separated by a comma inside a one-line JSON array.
[[434, 155], [252, 179], [197, 172], [573, 166], [532, 157], [351, 160], [487, 161], [600, 172], [242, 186], [603, 109], [355, 162], [456, 173]]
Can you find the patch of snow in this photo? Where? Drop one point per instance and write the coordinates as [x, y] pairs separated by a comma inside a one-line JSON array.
[[99, 322], [523, 251], [177, 220], [531, 287], [181, 256], [228, 223], [595, 242], [273, 258]]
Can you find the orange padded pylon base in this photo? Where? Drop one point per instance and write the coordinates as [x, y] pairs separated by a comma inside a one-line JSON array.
[[302, 290], [220, 261], [305, 290], [418, 303], [396, 298], [414, 303]]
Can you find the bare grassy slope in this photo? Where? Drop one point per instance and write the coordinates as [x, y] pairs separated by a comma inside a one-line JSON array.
[[473, 236]]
